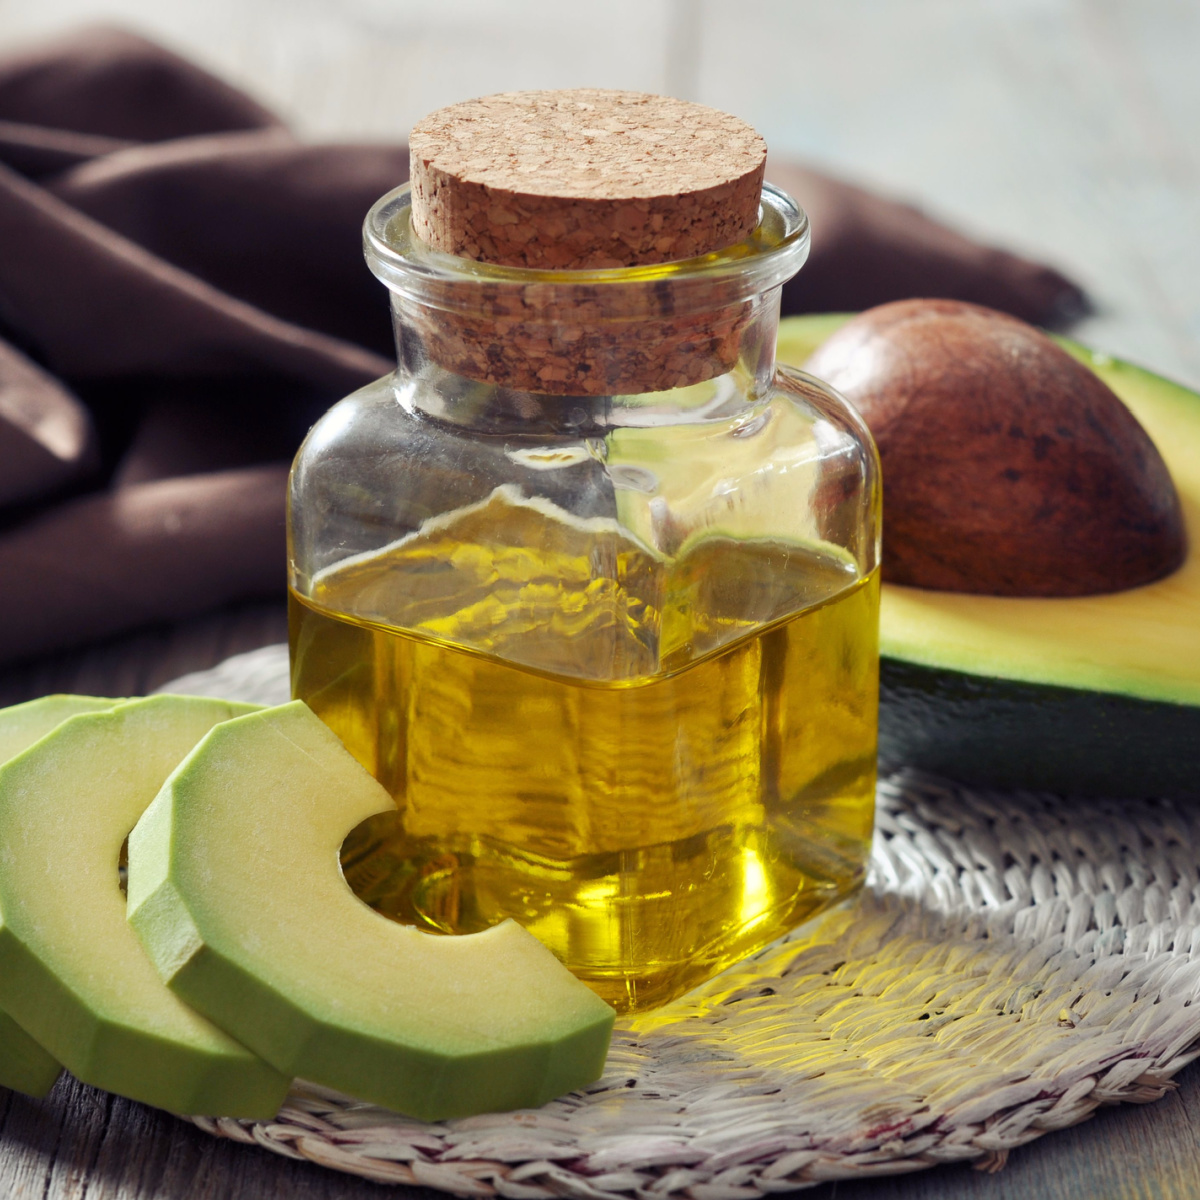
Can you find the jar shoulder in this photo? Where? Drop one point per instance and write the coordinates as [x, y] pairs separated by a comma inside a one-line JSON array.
[[795, 465]]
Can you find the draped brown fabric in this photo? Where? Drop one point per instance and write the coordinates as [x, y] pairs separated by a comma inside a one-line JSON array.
[[182, 292]]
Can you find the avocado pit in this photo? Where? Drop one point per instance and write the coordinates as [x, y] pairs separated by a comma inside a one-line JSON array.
[[1009, 468]]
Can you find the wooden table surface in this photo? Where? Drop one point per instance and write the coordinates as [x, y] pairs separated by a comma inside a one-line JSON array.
[[81, 1144], [1064, 128]]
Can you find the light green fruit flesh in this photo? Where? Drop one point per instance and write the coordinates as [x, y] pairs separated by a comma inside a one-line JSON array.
[[24, 1065], [1144, 642], [1086, 694], [23, 724], [236, 890], [72, 972]]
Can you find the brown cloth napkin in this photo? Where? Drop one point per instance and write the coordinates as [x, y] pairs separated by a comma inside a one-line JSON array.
[[182, 293]]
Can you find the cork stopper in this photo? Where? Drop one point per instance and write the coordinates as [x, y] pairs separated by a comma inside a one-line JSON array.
[[583, 178]]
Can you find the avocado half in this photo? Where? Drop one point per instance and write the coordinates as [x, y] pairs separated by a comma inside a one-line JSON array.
[[1093, 695]]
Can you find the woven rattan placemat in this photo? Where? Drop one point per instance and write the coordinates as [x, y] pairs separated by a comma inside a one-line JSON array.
[[1015, 961]]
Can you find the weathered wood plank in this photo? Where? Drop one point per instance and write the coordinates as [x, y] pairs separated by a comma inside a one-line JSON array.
[[80, 1143], [1064, 129], [140, 662]]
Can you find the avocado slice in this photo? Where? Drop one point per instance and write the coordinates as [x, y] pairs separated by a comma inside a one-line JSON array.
[[24, 1065], [236, 891], [1093, 695], [72, 973], [23, 724]]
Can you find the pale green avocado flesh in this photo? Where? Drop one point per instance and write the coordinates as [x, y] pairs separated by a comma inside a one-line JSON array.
[[24, 1065], [236, 891], [72, 973], [23, 724], [1090, 694]]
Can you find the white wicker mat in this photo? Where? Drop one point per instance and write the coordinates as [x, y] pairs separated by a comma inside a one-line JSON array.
[[1016, 961]]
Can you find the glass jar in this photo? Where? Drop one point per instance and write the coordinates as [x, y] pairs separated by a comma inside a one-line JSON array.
[[612, 647]]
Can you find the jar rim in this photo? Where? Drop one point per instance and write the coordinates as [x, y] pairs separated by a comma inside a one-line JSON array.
[[771, 255]]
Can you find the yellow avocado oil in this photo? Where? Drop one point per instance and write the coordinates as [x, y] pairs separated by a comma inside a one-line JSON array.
[[650, 781]]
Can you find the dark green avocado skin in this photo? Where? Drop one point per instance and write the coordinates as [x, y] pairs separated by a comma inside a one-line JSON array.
[[1006, 734]]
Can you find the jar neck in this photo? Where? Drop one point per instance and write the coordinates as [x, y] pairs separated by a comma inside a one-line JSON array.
[[425, 384], [669, 341]]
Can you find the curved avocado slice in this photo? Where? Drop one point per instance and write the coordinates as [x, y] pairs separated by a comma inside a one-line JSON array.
[[23, 724], [24, 1065], [1093, 694], [236, 891], [72, 973]]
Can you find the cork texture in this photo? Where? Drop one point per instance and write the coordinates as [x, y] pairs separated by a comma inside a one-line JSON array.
[[570, 356], [587, 178]]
